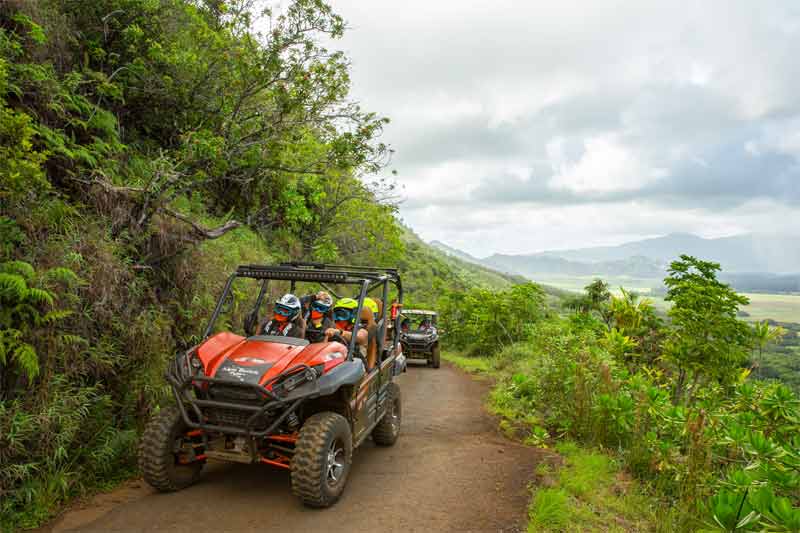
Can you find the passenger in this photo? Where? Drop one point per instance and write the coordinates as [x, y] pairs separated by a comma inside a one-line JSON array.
[[405, 325], [373, 306], [319, 318], [344, 317], [286, 319]]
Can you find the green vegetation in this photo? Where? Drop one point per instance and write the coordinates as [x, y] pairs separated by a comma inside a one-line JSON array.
[[485, 320], [475, 365], [589, 492], [147, 147], [672, 401], [778, 307], [780, 358], [429, 273]]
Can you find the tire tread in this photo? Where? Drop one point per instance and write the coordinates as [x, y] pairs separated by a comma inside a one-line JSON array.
[[153, 459], [309, 458]]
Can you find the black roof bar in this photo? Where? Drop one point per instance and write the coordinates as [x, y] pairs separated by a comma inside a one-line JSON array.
[[317, 272], [347, 268]]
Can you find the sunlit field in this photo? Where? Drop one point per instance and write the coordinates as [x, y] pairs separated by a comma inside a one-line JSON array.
[[780, 307], [577, 283]]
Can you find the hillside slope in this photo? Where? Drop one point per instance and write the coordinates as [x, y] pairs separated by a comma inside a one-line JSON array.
[[427, 270], [750, 263], [740, 253]]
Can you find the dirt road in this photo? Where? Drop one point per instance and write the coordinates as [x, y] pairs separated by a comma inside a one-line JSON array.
[[449, 471]]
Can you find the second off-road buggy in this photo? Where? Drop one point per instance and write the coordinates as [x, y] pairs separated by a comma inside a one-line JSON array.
[[278, 400], [419, 336]]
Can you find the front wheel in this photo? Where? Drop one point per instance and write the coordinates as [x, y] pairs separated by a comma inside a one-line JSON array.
[[166, 456], [322, 458], [435, 357]]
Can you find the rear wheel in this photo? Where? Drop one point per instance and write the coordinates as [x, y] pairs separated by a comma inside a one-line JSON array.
[[163, 457], [435, 357], [322, 458], [388, 429]]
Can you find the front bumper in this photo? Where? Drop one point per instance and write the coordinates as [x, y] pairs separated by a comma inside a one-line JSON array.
[[249, 408], [239, 417], [418, 346], [237, 407]]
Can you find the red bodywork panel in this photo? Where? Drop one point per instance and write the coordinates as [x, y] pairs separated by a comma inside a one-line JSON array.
[[227, 346]]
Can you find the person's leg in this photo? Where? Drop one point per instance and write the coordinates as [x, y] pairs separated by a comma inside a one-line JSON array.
[[372, 345]]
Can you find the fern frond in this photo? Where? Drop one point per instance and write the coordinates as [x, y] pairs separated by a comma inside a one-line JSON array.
[[55, 316], [73, 340], [13, 287], [21, 268], [25, 356], [63, 275], [40, 296]]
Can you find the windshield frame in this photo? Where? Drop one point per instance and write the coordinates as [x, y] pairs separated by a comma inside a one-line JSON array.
[[366, 278]]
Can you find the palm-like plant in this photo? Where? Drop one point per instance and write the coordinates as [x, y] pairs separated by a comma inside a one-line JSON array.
[[763, 335]]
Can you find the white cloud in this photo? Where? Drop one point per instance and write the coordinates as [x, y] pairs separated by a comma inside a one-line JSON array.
[[605, 166], [677, 111]]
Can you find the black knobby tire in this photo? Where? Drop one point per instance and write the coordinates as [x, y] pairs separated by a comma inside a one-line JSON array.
[[324, 441], [157, 456], [435, 357], [388, 429]]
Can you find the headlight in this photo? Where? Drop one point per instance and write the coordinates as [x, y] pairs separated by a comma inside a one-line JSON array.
[[292, 381], [331, 356], [187, 364]]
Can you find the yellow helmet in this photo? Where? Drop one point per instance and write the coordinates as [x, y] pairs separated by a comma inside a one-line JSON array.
[[345, 310], [372, 305], [346, 303]]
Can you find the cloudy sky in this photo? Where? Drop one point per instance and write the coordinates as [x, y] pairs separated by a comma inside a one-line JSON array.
[[522, 126]]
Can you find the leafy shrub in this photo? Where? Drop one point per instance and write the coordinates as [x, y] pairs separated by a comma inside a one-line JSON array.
[[722, 448], [486, 320]]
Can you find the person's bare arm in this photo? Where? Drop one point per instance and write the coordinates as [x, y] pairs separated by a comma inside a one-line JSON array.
[[361, 336]]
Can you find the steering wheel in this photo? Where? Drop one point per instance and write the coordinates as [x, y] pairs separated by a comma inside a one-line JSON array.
[[338, 338], [315, 335]]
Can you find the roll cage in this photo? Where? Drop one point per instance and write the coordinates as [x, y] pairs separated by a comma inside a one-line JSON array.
[[368, 279]]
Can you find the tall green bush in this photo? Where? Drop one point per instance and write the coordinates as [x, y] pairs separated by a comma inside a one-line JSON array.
[[723, 451]]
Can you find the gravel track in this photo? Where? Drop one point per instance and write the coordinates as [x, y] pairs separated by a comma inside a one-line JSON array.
[[449, 471]]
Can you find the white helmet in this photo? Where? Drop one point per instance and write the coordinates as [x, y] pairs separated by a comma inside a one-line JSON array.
[[288, 305]]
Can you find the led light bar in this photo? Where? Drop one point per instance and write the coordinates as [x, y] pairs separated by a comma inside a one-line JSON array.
[[290, 274]]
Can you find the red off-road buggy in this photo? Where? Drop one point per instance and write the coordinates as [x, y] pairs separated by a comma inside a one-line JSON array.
[[277, 400]]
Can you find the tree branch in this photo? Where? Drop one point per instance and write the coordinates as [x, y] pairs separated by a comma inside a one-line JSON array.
[[199, 230]]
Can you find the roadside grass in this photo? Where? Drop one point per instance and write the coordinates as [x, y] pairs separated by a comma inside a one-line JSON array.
[[580, 489], [588, 492], [473, 365]]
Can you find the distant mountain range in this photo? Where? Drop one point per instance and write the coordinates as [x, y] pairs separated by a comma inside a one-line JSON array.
[[649, 258]]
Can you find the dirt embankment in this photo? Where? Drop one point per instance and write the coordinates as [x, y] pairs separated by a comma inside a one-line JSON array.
[[449, 471]]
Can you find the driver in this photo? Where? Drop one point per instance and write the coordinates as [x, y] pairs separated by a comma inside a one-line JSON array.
[[286, 320], [344, 316], [319, 320]]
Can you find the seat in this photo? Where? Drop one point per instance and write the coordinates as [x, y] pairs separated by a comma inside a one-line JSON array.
[[368, 322]]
